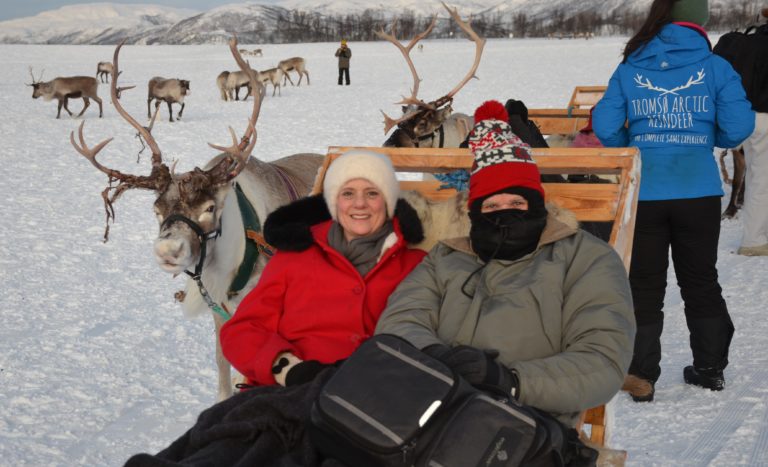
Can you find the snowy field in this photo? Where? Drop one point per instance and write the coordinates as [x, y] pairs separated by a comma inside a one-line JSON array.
[[97, 362]]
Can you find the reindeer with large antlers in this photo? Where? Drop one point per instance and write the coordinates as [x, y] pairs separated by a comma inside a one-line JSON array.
[[210, 217], [430, 124]]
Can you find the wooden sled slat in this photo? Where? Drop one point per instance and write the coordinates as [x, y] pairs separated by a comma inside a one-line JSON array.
[[571, 119]]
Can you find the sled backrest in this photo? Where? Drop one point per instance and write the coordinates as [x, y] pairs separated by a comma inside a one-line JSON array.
[[571, 119], [590, 201]]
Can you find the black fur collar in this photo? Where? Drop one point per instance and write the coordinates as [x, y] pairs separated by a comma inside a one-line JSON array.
[[288, 227]]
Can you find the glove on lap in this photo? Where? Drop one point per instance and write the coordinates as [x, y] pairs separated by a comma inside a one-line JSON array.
[[480, 368], [436, 351], [304, 372]]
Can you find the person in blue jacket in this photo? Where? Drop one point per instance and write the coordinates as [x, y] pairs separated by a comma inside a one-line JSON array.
[[674, 100]]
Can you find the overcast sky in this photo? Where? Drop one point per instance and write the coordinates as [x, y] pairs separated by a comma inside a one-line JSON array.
[[21, 8]]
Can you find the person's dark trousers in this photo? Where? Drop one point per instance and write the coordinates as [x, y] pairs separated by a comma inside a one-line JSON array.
[[343, 72], [691, 228]]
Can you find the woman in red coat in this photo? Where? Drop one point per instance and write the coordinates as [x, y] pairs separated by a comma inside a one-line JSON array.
[[340, 255]]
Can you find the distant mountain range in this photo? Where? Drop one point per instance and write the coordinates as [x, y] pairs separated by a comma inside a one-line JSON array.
[[298, 20]]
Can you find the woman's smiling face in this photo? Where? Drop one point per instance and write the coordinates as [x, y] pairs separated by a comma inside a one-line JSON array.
[[360, 208]]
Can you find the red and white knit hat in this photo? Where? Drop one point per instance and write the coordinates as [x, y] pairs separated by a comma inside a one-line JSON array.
[[502, 159]]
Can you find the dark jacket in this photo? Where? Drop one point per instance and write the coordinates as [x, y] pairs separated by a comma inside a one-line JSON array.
[[344, 54]]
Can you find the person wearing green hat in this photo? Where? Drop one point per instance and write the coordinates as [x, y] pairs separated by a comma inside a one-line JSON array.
[[675, 100]]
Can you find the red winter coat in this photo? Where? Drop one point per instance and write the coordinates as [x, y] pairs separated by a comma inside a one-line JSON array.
[[312, 303]]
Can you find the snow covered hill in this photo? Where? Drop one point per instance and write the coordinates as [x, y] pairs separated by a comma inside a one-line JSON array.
[[257, 21], [93, 23]]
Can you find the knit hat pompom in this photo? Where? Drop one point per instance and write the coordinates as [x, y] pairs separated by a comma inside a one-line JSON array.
[[502, 159], [374, 167], [491, 110], [691, 11]]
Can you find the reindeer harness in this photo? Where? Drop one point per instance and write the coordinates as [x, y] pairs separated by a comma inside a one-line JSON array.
[[254, 245]]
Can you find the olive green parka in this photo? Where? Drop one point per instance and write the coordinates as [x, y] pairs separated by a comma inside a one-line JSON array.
[[561, 317]]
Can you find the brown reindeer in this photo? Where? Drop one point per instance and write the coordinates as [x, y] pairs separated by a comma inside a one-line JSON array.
[[296, 64], [169, 91], [103, 70], [430, 124], [221, 83], [737, 183], [203, 225], [63, 89], [271, 76]]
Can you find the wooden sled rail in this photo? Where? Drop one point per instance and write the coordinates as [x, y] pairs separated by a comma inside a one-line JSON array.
[[571, 119], [601, 202]]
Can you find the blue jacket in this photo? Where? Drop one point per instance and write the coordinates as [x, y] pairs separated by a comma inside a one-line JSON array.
[[679, 101]]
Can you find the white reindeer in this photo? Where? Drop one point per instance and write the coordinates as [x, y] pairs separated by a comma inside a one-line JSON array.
[[210, 217]]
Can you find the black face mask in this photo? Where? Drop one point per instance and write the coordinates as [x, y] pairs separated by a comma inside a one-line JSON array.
[[508, 234]]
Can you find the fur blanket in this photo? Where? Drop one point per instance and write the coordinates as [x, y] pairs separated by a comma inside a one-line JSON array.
[[263, 426]]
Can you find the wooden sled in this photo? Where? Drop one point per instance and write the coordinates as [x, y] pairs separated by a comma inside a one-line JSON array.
[[571, 119], [601, 202]]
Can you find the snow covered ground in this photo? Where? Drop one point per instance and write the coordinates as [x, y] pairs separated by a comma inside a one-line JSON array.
[[97, 362]]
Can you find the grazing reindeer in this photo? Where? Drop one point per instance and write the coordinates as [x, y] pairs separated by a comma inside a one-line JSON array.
[[221, 83], [258, 53], [210, 218], [168, 90], [430, 124], [63, 89], [103, 70], [296, 64], [737, 183], [235, 81], [271, 76]]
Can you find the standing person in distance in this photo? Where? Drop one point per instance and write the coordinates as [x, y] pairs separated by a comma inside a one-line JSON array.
[[344, 53], [679, 101]]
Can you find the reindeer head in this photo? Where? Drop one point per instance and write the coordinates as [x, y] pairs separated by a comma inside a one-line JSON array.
[[188, 205], [39, 87], [421, 119]]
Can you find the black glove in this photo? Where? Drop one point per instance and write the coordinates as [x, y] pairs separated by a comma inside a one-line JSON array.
[[436, 351], [480, 368], [515, 107], [304, 372]]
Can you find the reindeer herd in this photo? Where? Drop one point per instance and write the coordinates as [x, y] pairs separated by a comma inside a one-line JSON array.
[[203, 229], [159, 89], [230, 82]]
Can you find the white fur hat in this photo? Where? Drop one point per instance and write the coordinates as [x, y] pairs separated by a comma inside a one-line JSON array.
[[374, 167]]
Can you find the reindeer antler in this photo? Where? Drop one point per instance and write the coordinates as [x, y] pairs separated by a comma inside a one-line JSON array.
[[479, 45], [389, 122], [157, 158], [35, 81], [239, 152], [446, 99], [157, 180], [406, 51]]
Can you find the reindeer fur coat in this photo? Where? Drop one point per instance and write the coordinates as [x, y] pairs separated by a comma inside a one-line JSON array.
[[561, 316], [310, 300]]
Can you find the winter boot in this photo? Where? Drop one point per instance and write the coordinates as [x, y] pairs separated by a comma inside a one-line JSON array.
[[710, 378], [640, 389]]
